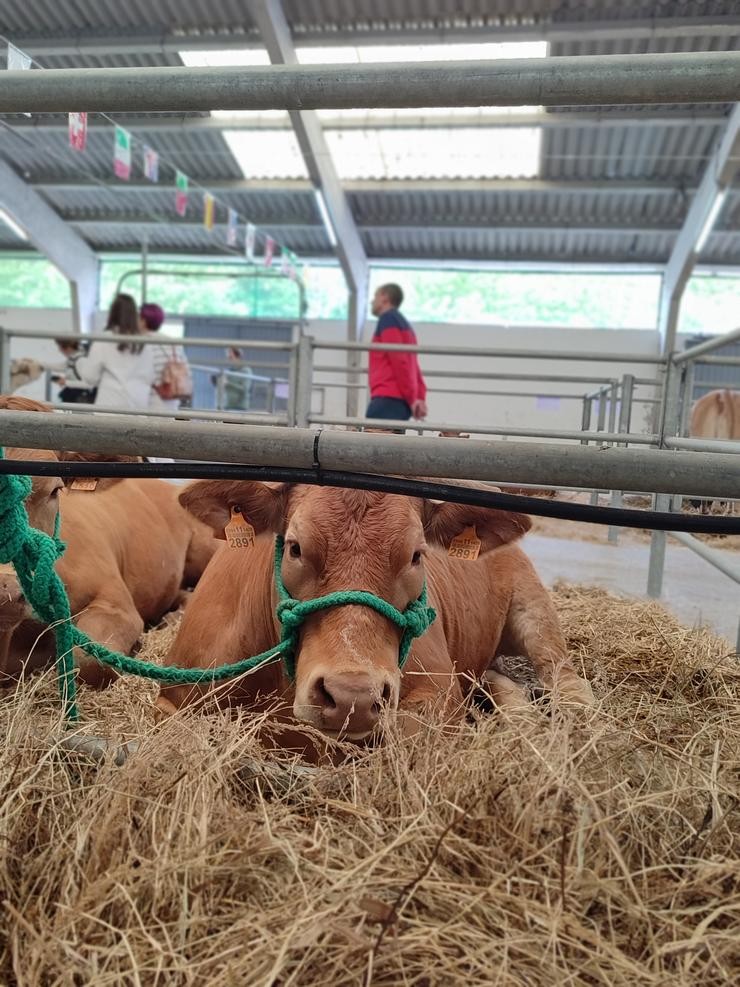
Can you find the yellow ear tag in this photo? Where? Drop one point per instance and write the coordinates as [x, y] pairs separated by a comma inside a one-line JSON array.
[[83, 483], [239, 532], [465, 546]]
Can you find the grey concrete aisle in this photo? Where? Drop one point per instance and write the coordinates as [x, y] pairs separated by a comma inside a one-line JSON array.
[[693, 589]]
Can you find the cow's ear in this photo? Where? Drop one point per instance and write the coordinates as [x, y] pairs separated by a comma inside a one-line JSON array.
[[101, 483], [211, 501], [443, 522]]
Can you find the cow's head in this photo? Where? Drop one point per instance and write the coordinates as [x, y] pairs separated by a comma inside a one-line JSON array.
[[347, 665], [42, 505]]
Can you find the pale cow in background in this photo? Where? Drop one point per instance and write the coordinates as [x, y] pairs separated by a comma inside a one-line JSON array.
[[716, 416]]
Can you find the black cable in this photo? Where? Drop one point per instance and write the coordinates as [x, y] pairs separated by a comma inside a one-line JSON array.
[[565, 511]]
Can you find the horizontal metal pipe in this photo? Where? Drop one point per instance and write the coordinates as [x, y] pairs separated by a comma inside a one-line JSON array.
[[689, 473], [488, 352], [185, 414], [716, 558], [529, 433], [703, 445], [482, 375], [721, 361], [145, 339], [711, 344], [585, 80]]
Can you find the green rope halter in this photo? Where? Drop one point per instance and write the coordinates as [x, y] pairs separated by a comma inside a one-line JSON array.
[[33, 553]]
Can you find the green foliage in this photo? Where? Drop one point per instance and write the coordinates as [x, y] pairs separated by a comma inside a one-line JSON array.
[[32, 282], [588, 300]]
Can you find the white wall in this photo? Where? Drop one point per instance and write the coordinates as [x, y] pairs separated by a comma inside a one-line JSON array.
[[461, 407]]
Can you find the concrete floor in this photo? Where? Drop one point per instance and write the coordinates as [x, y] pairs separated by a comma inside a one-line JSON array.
[[692, 588]]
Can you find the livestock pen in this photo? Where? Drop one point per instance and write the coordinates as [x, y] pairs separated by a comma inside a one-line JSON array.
[[597, 845]]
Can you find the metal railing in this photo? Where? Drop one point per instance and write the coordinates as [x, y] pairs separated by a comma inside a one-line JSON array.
[[663, 459]]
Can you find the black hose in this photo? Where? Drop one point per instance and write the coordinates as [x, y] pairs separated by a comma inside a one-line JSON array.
[[565, 511]]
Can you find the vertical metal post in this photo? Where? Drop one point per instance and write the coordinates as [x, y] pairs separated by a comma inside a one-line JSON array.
[[270, 396], [354, 357], [600, 425], [220, 390], [47, 385], [293, 374], [586, 416], [688, 397], [627, 389], [4, 361], [144, 267], [669, 426], [304, 382]]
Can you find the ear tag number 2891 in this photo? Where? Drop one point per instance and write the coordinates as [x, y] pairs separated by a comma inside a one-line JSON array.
[[465, 546], [239, 532]]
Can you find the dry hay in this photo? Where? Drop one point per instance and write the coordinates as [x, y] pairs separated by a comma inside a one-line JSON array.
[[585, 847]]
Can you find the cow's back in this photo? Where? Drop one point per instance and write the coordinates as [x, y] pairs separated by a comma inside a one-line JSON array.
[[473, 600], [133, 530]]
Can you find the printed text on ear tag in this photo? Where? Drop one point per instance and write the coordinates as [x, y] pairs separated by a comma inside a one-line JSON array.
[[83, 483], [239, 532], [465, 546]]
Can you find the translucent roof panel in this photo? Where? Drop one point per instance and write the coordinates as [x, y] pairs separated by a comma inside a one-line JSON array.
[[266, 154], [462, 152]]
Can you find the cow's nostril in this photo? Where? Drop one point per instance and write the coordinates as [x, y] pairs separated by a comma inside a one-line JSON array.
[[323, 695], [387, 692]]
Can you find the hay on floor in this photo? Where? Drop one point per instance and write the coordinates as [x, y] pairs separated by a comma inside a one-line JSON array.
[[585, 847]]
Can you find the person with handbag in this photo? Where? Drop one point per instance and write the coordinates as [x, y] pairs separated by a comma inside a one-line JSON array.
[[173, 382], [123, 372]]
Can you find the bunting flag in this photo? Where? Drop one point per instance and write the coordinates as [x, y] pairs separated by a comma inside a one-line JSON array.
[[250, 238], [78, 131], [122, 154], [285, 262], [151, 164], [18, 61], [181, 193], [208, 210], [269, 251], [231, 227]]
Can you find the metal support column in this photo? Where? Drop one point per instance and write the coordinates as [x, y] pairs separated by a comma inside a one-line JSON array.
[[304, 381], [669, 426], [625, 421], [4, 362], [144, 267]]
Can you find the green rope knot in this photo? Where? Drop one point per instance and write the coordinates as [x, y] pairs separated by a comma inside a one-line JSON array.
[[34, 555], [414, 621]]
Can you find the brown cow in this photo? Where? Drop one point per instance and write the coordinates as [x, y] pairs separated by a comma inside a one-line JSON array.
[[131, 549], [348, 656], [716, 416]]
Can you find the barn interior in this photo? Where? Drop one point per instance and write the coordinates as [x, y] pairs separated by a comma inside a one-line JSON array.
[[571, 271]]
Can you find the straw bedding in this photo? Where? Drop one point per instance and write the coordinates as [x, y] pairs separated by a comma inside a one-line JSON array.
[[582, 847]]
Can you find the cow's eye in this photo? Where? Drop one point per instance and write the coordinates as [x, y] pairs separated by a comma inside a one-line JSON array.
[[295, 550], [416, 558]]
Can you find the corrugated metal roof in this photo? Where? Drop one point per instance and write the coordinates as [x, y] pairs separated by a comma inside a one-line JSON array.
[[538, 223]]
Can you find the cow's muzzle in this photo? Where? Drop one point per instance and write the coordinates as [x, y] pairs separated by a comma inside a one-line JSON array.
[[347, 704]]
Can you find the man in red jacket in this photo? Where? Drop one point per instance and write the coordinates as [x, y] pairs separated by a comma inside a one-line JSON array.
[[397, 388]]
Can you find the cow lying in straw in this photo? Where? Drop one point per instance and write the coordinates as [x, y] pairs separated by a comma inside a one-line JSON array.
[[131, 550], [347, 658]]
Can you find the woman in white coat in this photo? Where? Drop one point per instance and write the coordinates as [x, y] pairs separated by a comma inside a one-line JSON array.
[[123, 373]]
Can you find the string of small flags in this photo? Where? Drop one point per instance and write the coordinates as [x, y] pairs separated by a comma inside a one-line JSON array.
[[123, 140]]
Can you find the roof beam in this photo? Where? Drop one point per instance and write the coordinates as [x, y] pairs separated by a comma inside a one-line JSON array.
[[57, 241], [390, 120], [489, 223], [256, 185], [704, 210], [269, 17], [144, 41]]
